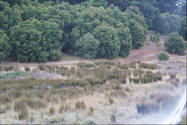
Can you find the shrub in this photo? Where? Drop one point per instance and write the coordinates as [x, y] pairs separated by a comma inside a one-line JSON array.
[[5, 47], [175, 44], [35, 104], [124, 66], [4, 99], [80, 105], [19, 105], [62, 108], [27, 69], [91, 110], [155, 38], [111, 101], [51, 111], [55, 55], [148, 66], [109, 46], [87, 46], [23, 114], [85, 65], [2, 109], [163, 57], [137, 33]]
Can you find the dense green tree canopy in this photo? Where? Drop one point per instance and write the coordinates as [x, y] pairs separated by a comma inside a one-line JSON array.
[[167, 23], [5, 47], [183, 28], [40, 30], [138, 36], [109, 46], [87, 46], [32, 40]]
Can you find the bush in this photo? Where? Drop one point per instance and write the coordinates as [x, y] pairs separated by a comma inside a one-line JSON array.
[[155, 38], [111, 101], [175, 44], [35, 104], [51, 111], [55, 55], [80, 105], [19, 105], [109, 46], [148, 66], [23, 114], [137, 33], [163, 57], [87, 46], [5, 48]]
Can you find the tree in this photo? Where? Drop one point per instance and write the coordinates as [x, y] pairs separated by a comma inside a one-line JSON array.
[[167, 23], [183, 29], [55, 55], [109, 46], [137, 33], [33, 40], [87, 46], [125, 41], [175, 44], [167, 5], [26, 41], [134, 14], [96, 3], [5, 47]]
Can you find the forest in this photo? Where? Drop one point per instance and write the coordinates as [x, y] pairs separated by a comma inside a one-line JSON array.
[[42, 30]]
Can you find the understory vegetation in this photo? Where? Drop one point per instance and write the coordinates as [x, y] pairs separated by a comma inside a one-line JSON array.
[[30, 94], [163, 57], [40, 31]]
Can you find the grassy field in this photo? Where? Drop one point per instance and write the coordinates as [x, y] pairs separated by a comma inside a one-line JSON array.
[[22, 97]]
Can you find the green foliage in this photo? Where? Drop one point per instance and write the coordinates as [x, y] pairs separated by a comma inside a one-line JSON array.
[[96, 3], [155, 38], [55, 55], [162, 56], [51, 111], [23, 114], [138, 36], [87, 46], [137, 26], [175, 44], [13, 75], [167, 5], [39, 30], [109, 41], [183, 29], [5, 47], [148, 66], [80, 105], [167, 23], [33, 40]]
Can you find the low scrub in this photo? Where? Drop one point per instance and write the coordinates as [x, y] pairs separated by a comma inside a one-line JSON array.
[[85, 65], [163, 57], [80, 105], [7, 67], [35, 104], [23, 114], [155, 38], [19, 105], [5, 99], [148, 66], [51, 111], [13, 75], [148, 78]]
